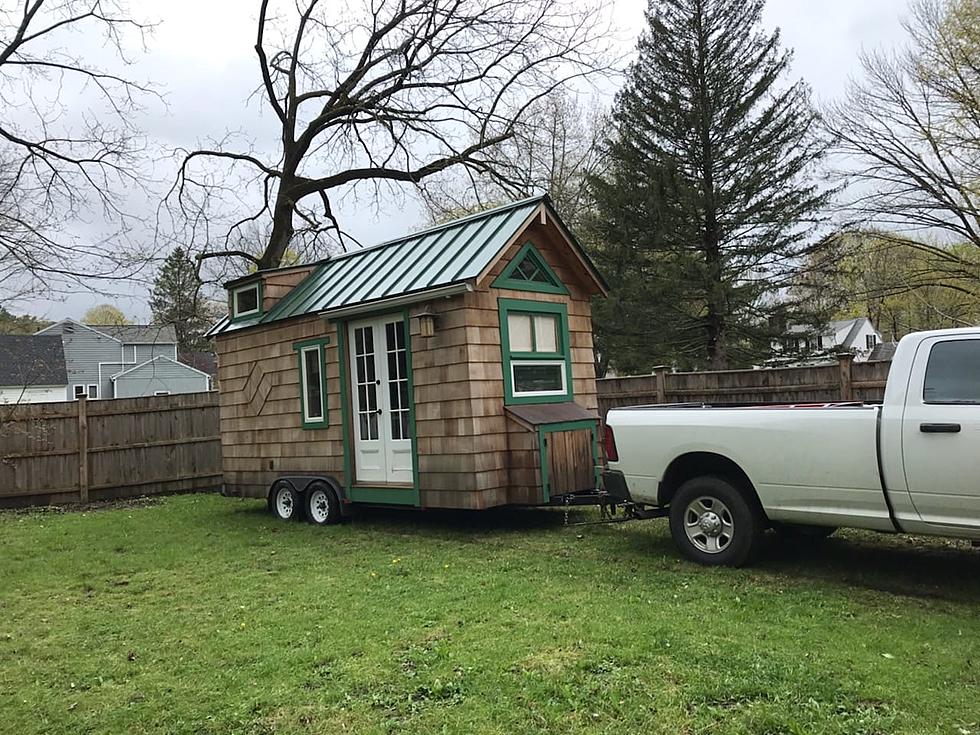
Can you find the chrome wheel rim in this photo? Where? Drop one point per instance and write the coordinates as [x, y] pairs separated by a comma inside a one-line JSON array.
[[284, 503], [709, 525], [319, 506]]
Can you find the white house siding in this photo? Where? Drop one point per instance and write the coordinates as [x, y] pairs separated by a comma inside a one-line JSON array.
[[34, 394], [160, 375], [859, 340]]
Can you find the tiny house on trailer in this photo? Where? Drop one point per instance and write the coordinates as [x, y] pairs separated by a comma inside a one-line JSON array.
[[451, 368]]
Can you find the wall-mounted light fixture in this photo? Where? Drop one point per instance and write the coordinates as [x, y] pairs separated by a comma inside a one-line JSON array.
[[427, 323]]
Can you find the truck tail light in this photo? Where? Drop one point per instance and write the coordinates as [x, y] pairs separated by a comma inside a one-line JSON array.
[[612, 454]]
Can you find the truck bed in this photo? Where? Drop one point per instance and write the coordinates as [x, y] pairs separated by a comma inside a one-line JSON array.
[[807, 461]]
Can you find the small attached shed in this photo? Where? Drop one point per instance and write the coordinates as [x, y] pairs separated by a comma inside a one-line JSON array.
[[451, 368]]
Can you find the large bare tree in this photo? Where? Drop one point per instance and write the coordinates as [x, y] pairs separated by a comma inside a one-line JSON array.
[[383, 93], [68, 146], [910, 129], [556, 148]]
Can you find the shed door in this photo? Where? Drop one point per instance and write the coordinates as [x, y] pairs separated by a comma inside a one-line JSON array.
[[571, 464], [379, 388]]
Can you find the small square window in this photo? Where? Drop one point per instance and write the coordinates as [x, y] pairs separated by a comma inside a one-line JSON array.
[[79, 391], [93, 391], [246, 300]]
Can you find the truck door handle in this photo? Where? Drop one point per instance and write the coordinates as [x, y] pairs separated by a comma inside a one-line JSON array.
[[939, 428]]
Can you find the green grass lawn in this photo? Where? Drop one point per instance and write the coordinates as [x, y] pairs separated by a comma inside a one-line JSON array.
[[202, 614]]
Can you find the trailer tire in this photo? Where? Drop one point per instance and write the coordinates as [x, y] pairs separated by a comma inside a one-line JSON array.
[[713, 522], [285, 502], [321, 506]]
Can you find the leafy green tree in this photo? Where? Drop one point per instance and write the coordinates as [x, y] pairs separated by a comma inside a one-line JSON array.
[[707, 202], [176, 299], [902, 285], [24, 324], [105, 315]]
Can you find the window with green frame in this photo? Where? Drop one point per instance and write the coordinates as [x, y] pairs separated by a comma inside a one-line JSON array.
[[529, 271], [246, 301], [535, 347], [313, 382]]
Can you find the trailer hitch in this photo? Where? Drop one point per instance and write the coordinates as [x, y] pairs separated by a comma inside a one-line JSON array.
[[611, 509]]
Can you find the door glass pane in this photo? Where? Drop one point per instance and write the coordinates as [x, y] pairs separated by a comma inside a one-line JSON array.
[[519, 329], [397, 380], [953, 373], [538, 377], [545, 333], [365, 380], [313, 383]]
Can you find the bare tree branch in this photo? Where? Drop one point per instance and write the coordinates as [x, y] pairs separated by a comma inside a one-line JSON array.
[[383, 94], [59, 163], [910, 131]]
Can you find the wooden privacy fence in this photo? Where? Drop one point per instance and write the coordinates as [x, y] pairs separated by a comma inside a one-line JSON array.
[[91, 450], [844, 380]]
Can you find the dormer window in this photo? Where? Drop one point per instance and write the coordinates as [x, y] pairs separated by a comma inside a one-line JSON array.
[[246, 300]]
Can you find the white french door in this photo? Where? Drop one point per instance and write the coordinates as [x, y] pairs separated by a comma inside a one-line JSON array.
[[379, 395]]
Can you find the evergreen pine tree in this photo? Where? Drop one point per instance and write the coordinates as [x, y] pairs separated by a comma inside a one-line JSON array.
[[707, 204], [176, 300]]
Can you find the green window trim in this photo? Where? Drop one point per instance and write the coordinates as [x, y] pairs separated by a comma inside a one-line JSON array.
[[302, 349], [252, 314], [505, 307], [512, 278]]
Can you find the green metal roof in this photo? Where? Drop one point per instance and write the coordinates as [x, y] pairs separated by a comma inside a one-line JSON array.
[[436, 258]]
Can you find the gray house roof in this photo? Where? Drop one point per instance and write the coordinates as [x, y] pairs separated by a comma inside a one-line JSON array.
[[127, 333], [853, 327], [883, 351], [27, 359], [439, 258], [139, 333]]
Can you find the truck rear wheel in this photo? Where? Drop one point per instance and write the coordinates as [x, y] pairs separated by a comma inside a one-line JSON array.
[[712, 522]]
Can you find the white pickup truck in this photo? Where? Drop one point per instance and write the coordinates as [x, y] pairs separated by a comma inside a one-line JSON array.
[[910, 465]]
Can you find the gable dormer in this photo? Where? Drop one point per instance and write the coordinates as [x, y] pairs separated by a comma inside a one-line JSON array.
[[251, 296]]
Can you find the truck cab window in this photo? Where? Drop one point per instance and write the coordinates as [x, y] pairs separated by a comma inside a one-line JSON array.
[[953, 373]]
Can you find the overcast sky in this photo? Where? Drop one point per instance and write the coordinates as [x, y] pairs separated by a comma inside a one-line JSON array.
[[201, 55]]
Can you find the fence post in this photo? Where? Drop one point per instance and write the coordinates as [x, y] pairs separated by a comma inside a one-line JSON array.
[[660, 374], [82, 450], [845, 361]]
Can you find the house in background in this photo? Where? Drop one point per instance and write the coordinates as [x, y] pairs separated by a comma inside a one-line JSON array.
[[32, 369], [123, 361], [804, 344], [883, 351]]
